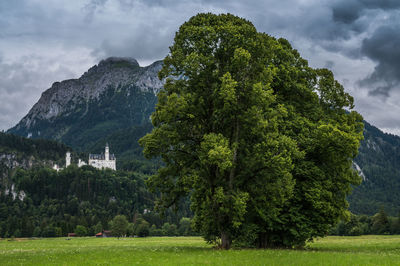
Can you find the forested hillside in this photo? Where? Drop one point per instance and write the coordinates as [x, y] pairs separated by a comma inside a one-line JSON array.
[[16, 151], [379, 159], [55, 203]]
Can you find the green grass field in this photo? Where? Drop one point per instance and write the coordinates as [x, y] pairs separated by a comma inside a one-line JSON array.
[[364, 250]]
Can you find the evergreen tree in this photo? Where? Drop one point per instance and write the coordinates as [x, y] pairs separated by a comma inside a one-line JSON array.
[[381, 223]]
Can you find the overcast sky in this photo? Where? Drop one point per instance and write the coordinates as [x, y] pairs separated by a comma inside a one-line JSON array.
[[43, 41]]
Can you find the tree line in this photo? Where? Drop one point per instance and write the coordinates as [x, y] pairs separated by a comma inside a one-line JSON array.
[[378, 224], [119, 226]]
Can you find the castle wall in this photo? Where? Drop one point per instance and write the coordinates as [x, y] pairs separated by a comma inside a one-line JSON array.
[[103, 164]]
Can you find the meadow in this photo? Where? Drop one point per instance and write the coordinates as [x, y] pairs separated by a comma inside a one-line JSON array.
[[362, 250]]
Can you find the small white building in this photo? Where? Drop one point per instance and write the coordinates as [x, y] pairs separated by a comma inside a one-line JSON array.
[[67, 162], [81, 163], [102, 161]]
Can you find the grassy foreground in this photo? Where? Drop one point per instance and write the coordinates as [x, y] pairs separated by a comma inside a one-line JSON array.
[[364, 250]]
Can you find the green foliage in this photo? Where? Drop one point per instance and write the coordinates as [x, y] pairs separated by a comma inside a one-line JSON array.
[[378, 158], [154, 231], [119, 225], [80, 230], [395, 225], [98, 228], [37, 232], [17, 233], [39, 148], [142, 228], [49, 231], [185, 227], [169, 229], [379, 224], [260, 141]]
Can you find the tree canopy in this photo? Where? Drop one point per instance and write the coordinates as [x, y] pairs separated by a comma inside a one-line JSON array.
[[119, 225], [260, 141]]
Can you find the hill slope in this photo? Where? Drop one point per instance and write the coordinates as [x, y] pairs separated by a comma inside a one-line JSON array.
[[19, 152], [379, 159]]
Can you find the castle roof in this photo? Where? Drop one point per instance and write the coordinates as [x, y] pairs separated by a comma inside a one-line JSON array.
[[100, 156]]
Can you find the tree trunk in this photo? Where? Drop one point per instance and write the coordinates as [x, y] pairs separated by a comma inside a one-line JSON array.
[[262, 240], [225, 241]]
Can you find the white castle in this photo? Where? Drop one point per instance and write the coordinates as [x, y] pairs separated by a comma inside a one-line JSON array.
[[100, 161]]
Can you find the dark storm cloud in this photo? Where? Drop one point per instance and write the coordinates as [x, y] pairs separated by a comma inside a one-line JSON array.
[[348, 11], [384, 48], [381, 45]]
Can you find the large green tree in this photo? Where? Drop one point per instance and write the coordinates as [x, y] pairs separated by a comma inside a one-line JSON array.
[[259, 140]]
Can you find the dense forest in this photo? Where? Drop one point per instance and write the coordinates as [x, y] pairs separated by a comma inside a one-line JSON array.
[[55, 203], [86, 200]]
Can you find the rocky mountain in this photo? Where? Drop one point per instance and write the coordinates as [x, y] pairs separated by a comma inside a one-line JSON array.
[[112, 102], [113, 95]]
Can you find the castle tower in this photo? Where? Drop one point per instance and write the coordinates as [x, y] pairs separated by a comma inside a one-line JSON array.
[[68, 159], [107, 153]]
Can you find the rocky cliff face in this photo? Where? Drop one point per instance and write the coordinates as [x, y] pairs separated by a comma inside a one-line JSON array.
[[114, 94], [65, 96]]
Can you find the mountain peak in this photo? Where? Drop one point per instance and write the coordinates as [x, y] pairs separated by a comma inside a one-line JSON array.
[[120, 61], [118, 77]]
